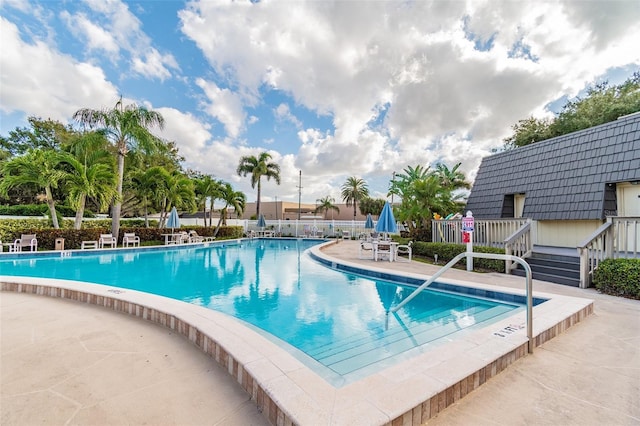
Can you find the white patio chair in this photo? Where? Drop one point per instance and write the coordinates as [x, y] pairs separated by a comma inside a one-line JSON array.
[[365, 246], [25, 241], [107, 240], [381, 250], [130, 238], [404, 249]]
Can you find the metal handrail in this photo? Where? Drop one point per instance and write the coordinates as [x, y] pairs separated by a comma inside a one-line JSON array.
[[529, 285]]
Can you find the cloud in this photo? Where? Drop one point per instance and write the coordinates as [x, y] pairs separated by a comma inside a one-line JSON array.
[[55, 85], [225, 106], [447, 73], [115, 29], [283, 113], [96, 38]]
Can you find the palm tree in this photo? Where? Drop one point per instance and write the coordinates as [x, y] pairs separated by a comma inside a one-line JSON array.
[[144, 184], [258, 167], [207, 188], [90, 172], [231, 198], [451, 178], [38, 167], [169, 190], [91, 178], [354, 190], [126, 127], [326, 204]]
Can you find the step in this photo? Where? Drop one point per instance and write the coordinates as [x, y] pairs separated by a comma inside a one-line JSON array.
[[555, 257], [573, 282], [534, 261], [555, 270]]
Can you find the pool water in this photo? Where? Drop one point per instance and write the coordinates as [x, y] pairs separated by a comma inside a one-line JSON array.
[[337, 320]]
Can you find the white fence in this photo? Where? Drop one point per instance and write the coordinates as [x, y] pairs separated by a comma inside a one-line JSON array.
[[307, 228]]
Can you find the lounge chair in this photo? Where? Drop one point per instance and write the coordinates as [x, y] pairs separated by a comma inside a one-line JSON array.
[[130, 238], [195, 238], [404, 249], [25, 241], [107, 240]]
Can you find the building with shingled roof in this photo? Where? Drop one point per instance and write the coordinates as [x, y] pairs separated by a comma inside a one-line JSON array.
[[567, 185]]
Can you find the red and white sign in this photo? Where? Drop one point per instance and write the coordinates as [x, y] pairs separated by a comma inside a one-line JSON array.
[[467, 223]]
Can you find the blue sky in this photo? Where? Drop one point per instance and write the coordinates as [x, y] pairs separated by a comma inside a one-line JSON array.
[[335, 89]]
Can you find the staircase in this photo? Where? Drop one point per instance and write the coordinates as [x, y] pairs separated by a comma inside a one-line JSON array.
[[547, 265]]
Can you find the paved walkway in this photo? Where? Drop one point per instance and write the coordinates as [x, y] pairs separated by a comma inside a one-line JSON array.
[[134, 372], [69, 363]]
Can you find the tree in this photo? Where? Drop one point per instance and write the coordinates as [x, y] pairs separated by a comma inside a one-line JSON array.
[[257, 168], [354, 190], [89, 178], [37, 167], [230, 198], [451, 179], [372, 206], [206, 188], [144, 183], [169, 190], [602, 104], [41, 134], [126, 127], [325, 204]]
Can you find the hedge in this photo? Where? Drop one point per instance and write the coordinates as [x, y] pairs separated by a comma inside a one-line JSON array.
[[447, 251], [11, 229], [39, 210], [618, 277]]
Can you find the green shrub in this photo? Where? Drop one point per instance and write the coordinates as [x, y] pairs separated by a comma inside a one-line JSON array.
[[447, 251], [11, 229], [39, 210], [618, 277]]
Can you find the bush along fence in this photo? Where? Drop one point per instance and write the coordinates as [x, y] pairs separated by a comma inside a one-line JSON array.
[[73, 238], [618, 277], [447, 251]]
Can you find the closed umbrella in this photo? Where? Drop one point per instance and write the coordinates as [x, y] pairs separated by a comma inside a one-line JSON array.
[[386, 222], [261, 222], [173, 221], [368, 224]]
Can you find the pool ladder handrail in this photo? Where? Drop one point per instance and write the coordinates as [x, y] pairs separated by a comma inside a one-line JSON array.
[[519, 260]]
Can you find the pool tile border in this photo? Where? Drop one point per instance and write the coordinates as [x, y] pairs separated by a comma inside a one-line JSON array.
[[288, 393]]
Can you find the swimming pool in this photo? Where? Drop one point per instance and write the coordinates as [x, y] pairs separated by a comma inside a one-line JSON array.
[[334, 320]]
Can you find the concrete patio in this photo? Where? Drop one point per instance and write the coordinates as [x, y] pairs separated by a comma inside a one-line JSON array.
[[588, 375]]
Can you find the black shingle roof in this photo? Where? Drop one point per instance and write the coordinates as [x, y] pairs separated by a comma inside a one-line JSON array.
[[563, 178]]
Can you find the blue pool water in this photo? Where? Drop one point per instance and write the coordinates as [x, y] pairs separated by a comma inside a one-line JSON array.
[[336, 318]]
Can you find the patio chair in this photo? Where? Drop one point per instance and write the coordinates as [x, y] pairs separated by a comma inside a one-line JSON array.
[[404, 249], [25, 241], [346, 235], [365, 246], [130, 238], [107, 240], [383, 249]]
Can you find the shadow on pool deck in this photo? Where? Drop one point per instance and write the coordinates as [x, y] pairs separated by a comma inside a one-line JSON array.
[[587, 375]]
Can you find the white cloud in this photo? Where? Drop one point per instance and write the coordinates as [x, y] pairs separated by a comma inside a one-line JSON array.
[[225, 106], [188, 132], [447, 101], [115, 29], [283, 113], [40, 81]]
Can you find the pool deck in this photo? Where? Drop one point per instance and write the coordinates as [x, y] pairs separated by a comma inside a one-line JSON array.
[[65, 362]]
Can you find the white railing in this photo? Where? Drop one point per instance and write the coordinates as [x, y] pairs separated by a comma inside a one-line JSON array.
[[309, 227], [618, 237], [518, 244], [487, 232]]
